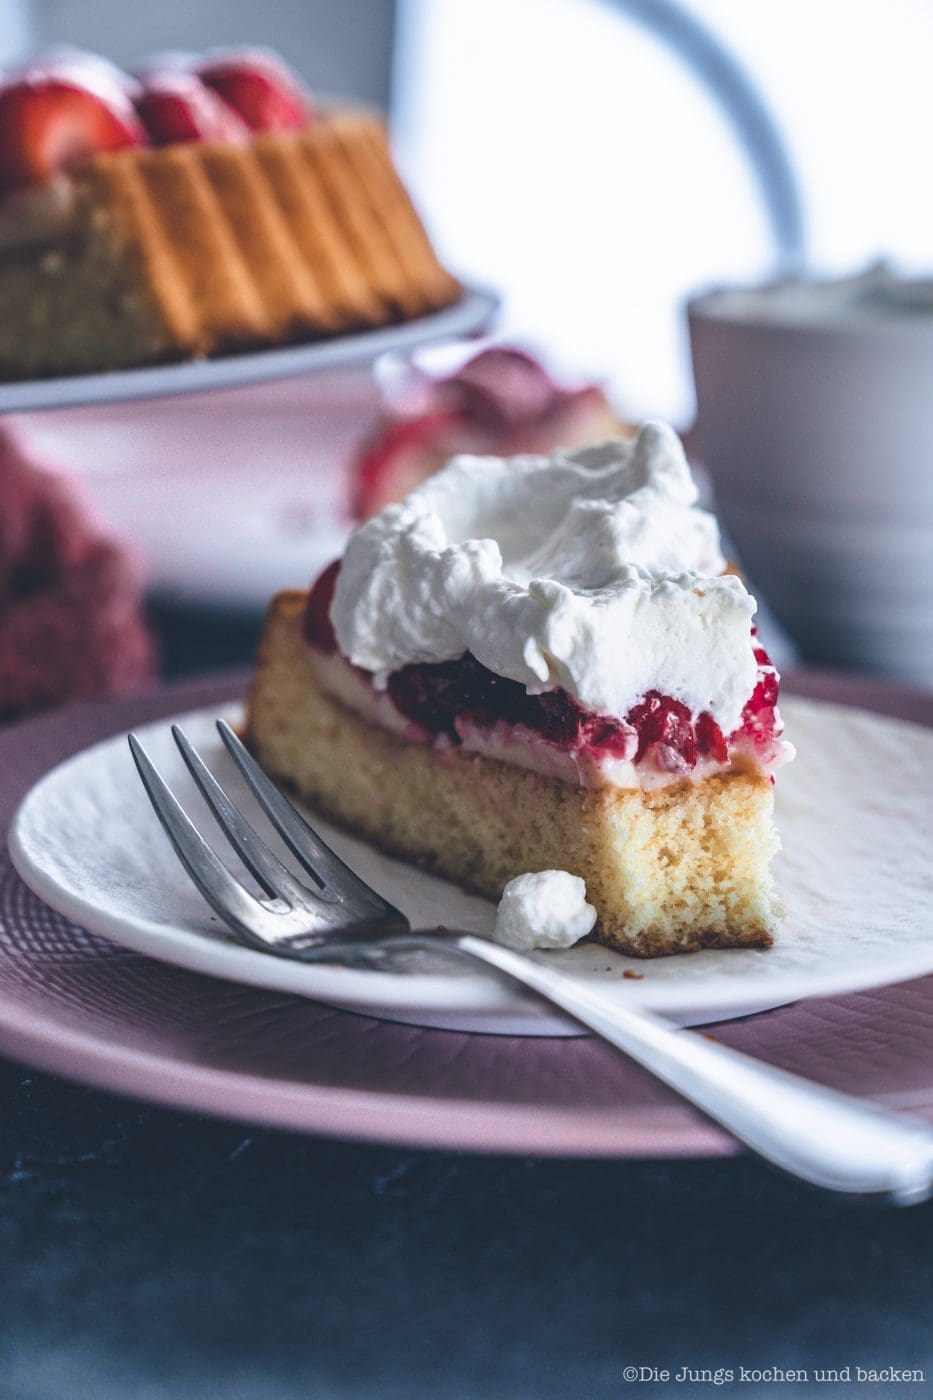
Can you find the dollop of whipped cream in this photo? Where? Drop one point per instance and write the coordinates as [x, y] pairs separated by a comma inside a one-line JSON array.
[[546, 909], [594, 571]]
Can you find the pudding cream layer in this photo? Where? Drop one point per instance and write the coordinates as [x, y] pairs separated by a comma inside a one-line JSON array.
[[592, 572]]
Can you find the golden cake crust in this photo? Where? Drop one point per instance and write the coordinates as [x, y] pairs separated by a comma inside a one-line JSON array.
[[673, 870], [205, 248]]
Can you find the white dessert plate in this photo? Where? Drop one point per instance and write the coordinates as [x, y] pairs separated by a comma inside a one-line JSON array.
[[472, 313], [856, 875]]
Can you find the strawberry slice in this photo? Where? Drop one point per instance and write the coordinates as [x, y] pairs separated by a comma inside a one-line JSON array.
[[175, 105], [54, 117], [260, 88]]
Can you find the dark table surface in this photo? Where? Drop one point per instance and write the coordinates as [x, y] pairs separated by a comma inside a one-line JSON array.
[[150, 1253]]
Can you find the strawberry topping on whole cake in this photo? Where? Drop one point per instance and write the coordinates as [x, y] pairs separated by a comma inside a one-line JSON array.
[[175, 105], [67, 105], [560, 683], [61, 110], [260, 87]]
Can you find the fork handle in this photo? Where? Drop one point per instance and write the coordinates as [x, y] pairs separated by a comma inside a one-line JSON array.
[[827, 1138]]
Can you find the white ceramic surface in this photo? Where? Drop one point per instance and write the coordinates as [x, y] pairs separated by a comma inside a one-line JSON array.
[[856, 874], [473, 312], [818, 431]]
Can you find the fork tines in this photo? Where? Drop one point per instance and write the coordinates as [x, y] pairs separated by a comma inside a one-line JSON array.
[[339, 901]]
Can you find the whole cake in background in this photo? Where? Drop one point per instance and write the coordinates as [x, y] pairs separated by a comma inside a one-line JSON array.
[[502, 400], [71, 624], [541, 663], [206, 206]]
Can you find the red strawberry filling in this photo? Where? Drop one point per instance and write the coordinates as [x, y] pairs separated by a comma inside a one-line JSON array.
[[442, 698], [758, 717], [318, 628], [711, 741]]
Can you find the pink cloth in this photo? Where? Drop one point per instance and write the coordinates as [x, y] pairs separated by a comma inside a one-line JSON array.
[[71, 625]]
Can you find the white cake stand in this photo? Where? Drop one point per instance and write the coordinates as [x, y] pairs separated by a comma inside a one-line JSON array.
[[228, 496], [471, 314]]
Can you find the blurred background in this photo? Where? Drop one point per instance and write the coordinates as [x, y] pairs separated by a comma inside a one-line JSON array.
[[593, 161], [576, 153]]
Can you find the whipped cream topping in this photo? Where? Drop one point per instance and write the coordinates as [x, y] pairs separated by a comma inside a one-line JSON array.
[[546, 909], [594, 571]]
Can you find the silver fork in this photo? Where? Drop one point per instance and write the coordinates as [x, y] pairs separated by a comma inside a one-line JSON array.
[[824, 1137]]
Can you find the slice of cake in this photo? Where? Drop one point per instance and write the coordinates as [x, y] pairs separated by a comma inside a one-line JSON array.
[[540, 663], [501, 401], [204, 209]]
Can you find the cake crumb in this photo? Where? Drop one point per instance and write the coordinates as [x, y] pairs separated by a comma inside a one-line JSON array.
[[632, 975]]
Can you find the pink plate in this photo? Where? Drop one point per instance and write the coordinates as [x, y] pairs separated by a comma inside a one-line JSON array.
[[77, 1005]]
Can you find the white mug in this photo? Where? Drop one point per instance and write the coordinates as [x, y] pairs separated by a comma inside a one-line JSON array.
[[815, 418]]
